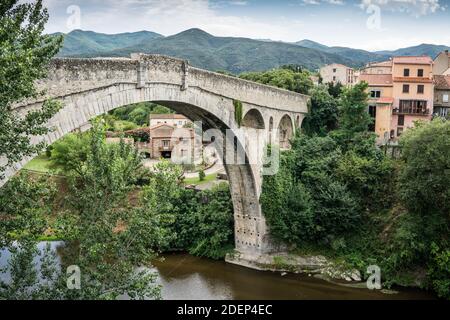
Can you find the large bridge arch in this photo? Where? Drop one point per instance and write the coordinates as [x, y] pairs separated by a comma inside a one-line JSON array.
[[91, 87]]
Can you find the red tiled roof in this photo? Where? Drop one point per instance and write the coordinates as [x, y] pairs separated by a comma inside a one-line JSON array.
[[387, 63], [413, 60], [442, 82], [376, 79]]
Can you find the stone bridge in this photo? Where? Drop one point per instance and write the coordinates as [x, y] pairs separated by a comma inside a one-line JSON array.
[[91, 87]]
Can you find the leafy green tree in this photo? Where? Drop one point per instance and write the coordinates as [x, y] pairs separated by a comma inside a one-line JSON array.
[[212, 235], [335, 90], [424, 183], [24, 55], [111, 238], [354, 121], [305, 202], [323, 112], [282, 78], [70, 152], [111, 242], [354, 117], [23, 205]]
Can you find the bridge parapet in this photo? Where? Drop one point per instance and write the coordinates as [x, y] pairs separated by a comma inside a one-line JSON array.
[[74, 75]]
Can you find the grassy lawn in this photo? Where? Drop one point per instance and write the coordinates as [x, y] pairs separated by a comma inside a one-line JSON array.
[[39, 164], [197, 181]]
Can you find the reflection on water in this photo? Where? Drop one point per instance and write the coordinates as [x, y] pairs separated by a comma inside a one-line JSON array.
[[187, 277], [183, 276], [5, 256]]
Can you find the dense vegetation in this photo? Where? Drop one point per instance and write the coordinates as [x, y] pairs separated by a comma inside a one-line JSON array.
[[285, 78], [24, 55], [133, 116], [336, 193], [113, 215]]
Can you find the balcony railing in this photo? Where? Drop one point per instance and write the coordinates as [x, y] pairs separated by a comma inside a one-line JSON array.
[[166, 148], [413, 111]]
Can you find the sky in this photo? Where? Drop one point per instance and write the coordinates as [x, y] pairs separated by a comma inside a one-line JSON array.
[[365, 24]]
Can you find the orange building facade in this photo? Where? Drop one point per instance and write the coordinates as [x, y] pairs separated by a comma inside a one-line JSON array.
[[401, 93]]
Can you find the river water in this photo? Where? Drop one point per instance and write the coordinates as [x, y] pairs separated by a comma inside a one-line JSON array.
[[183, 276], [187, 277]]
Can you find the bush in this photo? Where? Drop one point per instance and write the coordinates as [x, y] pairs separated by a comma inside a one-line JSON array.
[[201, 175]]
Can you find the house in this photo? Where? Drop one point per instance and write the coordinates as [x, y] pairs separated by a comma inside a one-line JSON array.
[[167, 141], [401, 92], [413, 92], [441, 96], [335, 72], [380, 102], [172, 119], [383, 67], [441, 65]]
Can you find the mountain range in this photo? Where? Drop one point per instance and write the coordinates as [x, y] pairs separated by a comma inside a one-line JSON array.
[[230, 54]]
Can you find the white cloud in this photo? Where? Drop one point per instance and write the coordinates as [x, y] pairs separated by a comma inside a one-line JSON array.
[[169, 17], [414, 7]]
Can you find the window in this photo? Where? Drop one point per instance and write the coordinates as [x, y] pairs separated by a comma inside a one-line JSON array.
[[406, 72], [183, 152], [420, 88], [334, 70], [334, 78], [406, 88], [180, 122], [166, 143], [445, 98], [420, 73], [399, 131], [401, 120], [375, 93]]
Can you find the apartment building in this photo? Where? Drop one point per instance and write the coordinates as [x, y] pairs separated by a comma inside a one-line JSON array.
[[413, 92], [335, 72], [401, 92], [383, 67], [380, 102]]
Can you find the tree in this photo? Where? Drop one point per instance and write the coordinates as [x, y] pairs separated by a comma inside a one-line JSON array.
[[70, 152], [424, 183], [110, 241], [323, 112], [354, 121], [335, 89], [24, 55], [282, 78], [353, 109], [305, 202]]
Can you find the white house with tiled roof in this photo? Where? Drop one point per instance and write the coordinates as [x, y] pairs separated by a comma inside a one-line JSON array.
[[335, 72]]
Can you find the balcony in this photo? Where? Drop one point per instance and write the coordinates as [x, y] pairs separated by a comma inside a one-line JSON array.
[[412, 107], [166, 148]]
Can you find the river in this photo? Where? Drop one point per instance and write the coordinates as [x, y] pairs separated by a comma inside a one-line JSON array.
[[187, 277], [183, 276]]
